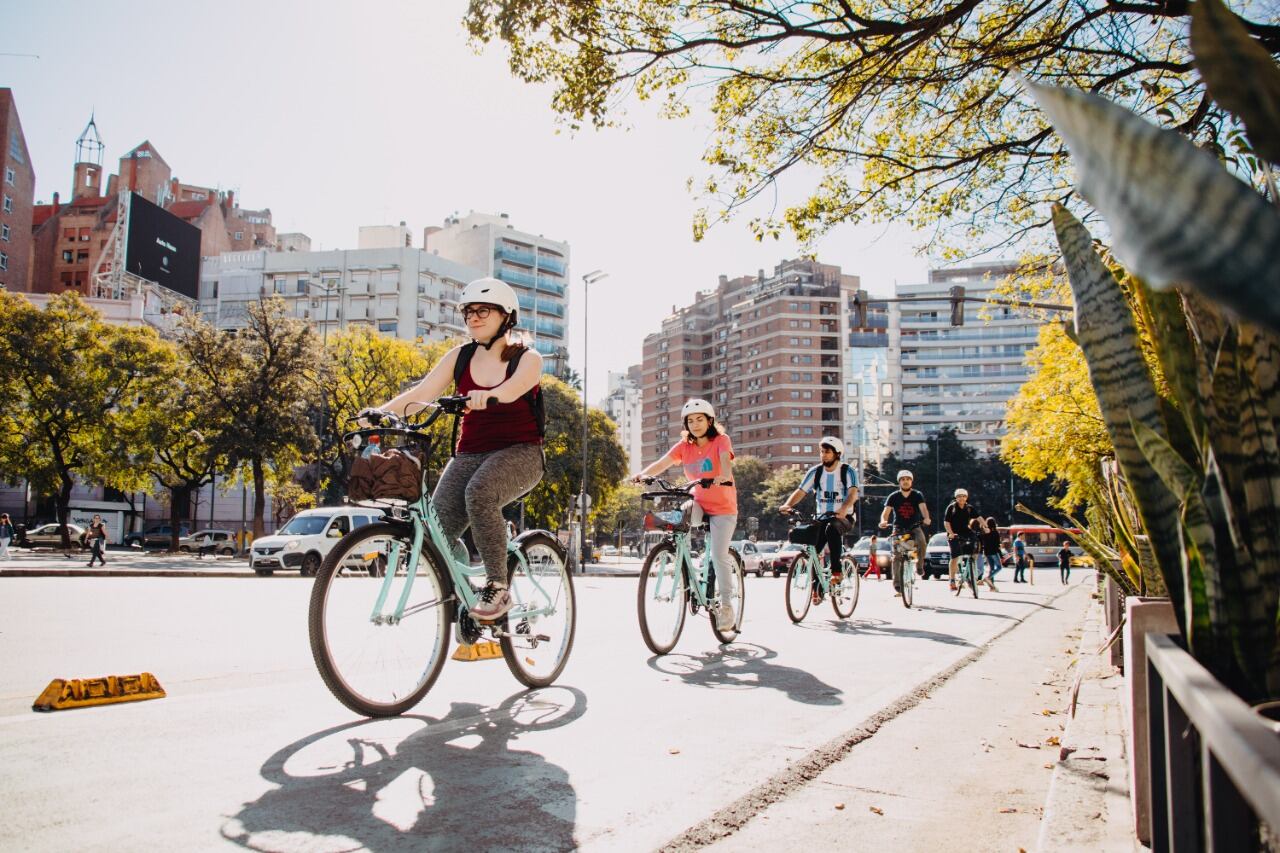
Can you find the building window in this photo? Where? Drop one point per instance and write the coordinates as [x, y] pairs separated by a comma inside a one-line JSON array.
[[886, 389], [4, 261], [15, 148], [10, 176], [69, 234], [239, 235], [886, 408], [81, 257], [8, 205], [84, 235], [4, 233], [387, 326], [852, 408]]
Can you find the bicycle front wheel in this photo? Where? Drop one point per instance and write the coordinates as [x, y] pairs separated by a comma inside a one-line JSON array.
[[661, 599], [377, 657], [973, 577], [844, 595], [541, 623], [739, 607], [908, 582], [799, 588]]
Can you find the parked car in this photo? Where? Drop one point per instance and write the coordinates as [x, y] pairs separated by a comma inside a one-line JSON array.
[[937, 557], [50, 536], [861, 552], [785, 557], [307, 538], [216, 541], [156, 536], [754, 560]]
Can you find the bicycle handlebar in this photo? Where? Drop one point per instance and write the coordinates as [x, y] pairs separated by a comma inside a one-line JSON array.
[[671, 490]]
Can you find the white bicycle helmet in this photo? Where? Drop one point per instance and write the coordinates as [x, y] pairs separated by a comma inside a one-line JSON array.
[[697, 406], [960, 493], [905, 473], [836, 445], [490, 291]]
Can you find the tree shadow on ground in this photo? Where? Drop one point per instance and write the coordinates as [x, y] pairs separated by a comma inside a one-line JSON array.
[[884, 628], [747, 666], [420, 783]]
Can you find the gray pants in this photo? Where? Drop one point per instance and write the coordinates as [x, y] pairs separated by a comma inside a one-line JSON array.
[[722, 527], [472, 492]]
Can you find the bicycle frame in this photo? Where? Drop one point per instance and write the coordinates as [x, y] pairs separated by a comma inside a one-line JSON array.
[[699, 572]]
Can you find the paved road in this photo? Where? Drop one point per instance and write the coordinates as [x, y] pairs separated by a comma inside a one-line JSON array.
[[249, 749]]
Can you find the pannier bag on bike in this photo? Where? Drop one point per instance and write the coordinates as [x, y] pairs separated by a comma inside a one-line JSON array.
[[808, 533], [393, 475]]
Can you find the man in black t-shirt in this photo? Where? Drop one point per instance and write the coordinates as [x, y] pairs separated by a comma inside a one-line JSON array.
[[958, 519], [910, 514]]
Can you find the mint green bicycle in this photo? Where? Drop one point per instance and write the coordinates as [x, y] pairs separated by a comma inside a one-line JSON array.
[[387, 595], [672, 583], [810, 579]]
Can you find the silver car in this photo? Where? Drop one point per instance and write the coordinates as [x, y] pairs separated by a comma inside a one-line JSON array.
[[50, 536]]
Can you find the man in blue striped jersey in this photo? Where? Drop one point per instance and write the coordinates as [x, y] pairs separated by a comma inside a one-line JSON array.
[[834, 486]]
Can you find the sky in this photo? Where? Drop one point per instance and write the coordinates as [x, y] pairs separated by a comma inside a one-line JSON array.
[[337, 115]]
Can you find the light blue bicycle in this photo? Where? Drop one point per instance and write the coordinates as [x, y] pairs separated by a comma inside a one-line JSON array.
[[672, 582], [388, 593]]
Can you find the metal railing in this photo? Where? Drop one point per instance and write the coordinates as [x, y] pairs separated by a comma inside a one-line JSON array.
[[1215, 765]]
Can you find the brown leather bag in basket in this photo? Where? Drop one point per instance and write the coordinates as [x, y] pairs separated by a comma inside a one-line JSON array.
[[393, 475]]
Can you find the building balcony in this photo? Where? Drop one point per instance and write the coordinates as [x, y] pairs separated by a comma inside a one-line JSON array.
[[550, 264], [515, 256], [544, 306], [549, 328]]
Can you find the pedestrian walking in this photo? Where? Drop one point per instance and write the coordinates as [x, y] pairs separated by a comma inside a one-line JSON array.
[[873, 562], [6, 534], [990, 540], [1019, 559], [97, 537], [1064, 562]]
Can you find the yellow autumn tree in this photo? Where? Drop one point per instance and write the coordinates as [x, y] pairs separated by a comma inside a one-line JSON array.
[[1055, 428]]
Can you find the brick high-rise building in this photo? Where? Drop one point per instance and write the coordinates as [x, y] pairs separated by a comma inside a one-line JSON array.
[[17, 197], [766, 351]]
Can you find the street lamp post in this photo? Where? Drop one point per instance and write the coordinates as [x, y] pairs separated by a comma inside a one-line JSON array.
[[587, 280], [324, 345]]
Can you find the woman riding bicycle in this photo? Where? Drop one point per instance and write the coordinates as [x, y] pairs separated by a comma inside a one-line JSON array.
[[706, 453], [499, 453]]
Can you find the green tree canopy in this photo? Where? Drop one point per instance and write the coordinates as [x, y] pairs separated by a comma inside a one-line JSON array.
[[903, 111]]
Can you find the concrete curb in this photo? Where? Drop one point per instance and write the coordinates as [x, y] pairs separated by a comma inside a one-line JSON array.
[[727, 820], [1087, 807]]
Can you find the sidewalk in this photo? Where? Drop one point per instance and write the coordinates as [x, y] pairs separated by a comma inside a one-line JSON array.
[[972, 763], [131, 562]]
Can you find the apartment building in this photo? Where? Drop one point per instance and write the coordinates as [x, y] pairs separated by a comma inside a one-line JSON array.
[[766, 350], [406, 293], [941, 375], [17, 197], [624, 405], [535, 266]]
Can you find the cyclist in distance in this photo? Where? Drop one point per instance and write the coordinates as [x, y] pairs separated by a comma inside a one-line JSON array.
[[705, 452], [910, 514], [498, 457], [958, 519], [834, 485]]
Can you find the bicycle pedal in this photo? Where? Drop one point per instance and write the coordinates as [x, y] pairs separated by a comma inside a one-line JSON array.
[[485, 650]]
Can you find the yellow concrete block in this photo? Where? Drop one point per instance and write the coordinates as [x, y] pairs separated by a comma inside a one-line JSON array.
[[487, 650], [62, 694]]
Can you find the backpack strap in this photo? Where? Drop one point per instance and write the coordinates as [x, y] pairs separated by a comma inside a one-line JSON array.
[[812, 472], [465, 354], [846, 476]]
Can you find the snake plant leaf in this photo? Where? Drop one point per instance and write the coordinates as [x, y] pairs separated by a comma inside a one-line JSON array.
[[1177, 353], [1177, 475], [1126, 393], [1238, 72], [1260, 356], [1207, 633], [1176, 215]]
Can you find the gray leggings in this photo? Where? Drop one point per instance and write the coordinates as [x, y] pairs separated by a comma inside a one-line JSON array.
[[472, 492]]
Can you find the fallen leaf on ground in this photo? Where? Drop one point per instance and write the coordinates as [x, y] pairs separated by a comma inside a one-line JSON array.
[[1028, 745], [1053, 740], [1064, 752], [839, 806], [1008, 811], [1048, 766], [877, 811], [673, 751]]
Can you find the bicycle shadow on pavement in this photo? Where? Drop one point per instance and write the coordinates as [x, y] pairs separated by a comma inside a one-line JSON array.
[[420, 783], [884, 628], [747, 666]]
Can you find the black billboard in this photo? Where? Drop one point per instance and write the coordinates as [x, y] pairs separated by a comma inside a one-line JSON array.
[[162, 248]]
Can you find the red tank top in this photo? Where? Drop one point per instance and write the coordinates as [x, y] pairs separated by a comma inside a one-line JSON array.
[[496, 426]]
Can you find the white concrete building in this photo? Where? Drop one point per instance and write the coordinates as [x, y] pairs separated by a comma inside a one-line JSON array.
[[538, 269], [407, 293], [623, 404], [958, 376], [384, 237]]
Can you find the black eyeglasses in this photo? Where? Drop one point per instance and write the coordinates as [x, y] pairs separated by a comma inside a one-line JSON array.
[[480, 311]]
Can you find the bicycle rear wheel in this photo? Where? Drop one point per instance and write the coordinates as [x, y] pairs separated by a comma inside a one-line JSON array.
[[661, 598], [844, 596], [537, 646], [799, 589], [739, 607], [374, 662]]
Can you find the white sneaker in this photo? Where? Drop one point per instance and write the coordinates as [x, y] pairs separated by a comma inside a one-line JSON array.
[[725, 616], [494, 602]]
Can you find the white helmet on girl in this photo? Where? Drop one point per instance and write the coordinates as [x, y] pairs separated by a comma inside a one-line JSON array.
[[490, 291], [697, 406]]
